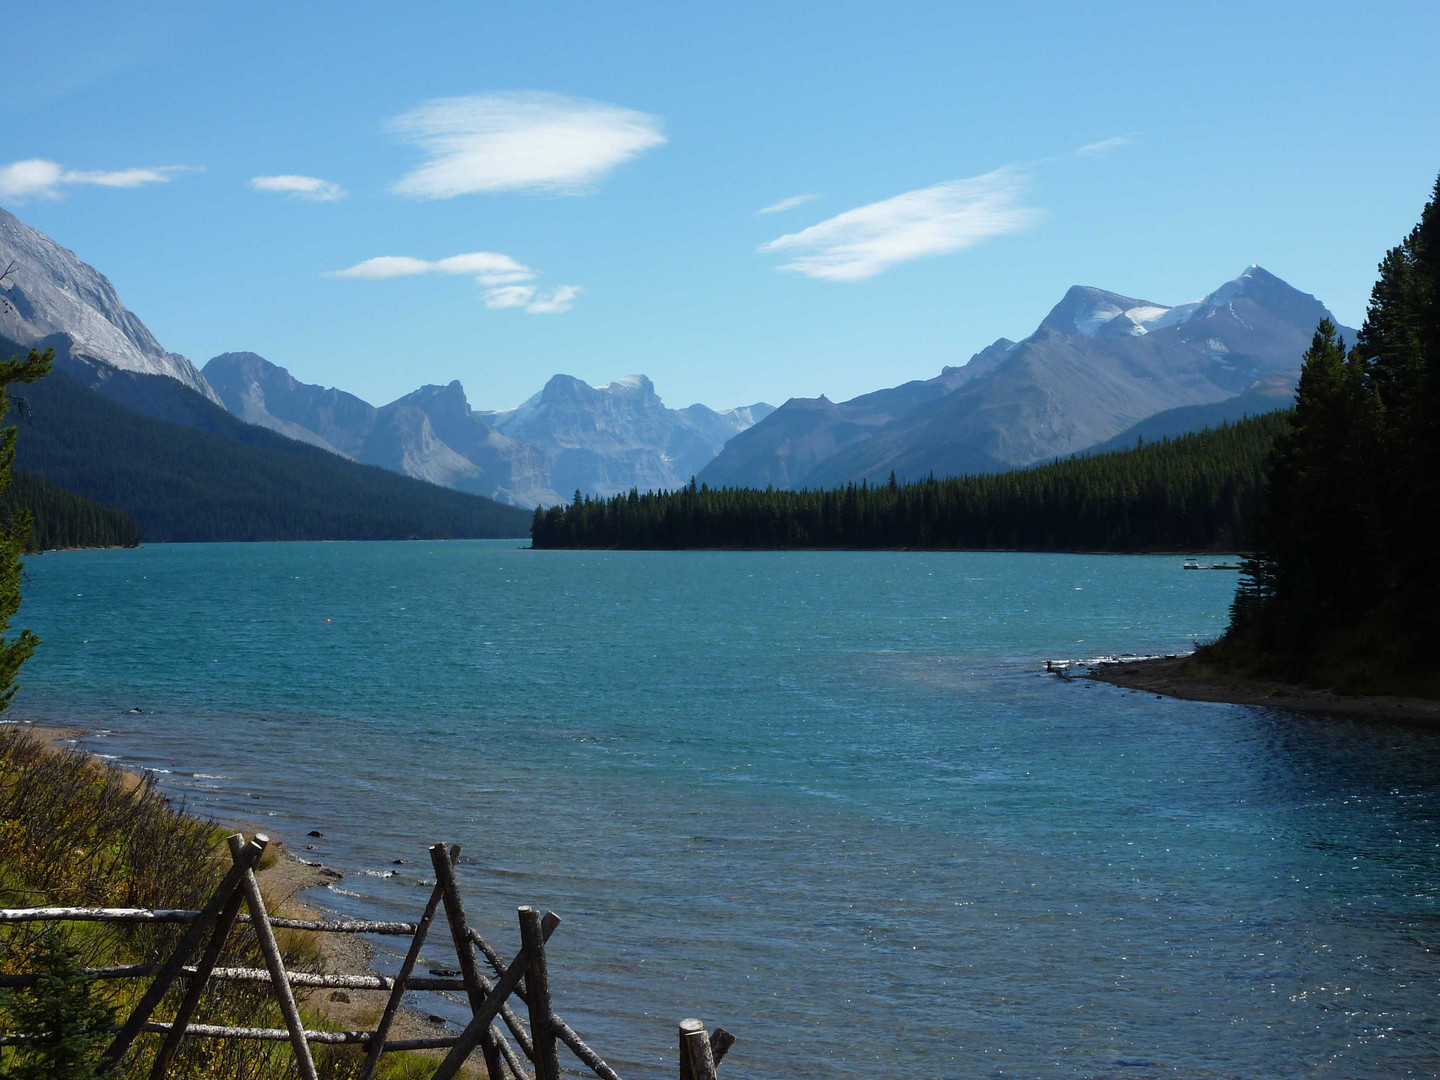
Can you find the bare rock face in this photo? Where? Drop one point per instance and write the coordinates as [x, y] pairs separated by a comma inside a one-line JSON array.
[[431, 434], [604, 440], [599, 440], [51, 294]]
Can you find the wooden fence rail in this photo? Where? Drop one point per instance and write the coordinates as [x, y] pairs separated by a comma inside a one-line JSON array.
[[526, 977]]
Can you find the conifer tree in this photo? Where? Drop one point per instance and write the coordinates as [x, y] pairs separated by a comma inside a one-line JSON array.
[[61, 1022], [15, 532], [1343, 577]]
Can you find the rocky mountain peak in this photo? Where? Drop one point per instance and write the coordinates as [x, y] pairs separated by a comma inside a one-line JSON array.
[[51, 294], [1086, 309]]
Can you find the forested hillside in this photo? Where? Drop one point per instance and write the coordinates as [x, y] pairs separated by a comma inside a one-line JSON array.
[[182, 484], [62, 519], [1343, 588], [1195, 493]]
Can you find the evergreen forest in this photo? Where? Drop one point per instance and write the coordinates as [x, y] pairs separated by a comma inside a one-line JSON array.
[[62, 519], [1342, 588], [1198, 492]]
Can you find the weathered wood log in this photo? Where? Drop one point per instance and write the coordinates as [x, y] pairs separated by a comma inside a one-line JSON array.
[[563, 1031], [273, 960], [512, 1059], [335, 982], [171, 968], [332, 1038], [297, 978], [80, 914], [497, 962], [566, 1034], [537, 980], [397, 992], [720, 1043], [181, 915], [470, 1037], [242, 855], [444, 865], [513, 1022], [349, 926], [697, 1060]]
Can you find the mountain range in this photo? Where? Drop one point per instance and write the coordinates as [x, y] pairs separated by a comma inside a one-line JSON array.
[[1098, 365], [570, 436], [1101, 370]]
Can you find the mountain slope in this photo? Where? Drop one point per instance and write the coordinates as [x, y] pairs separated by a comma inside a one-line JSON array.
[[431, 434], [1269, 395], [239, 482], [793, 441], [52, 294], [1098, 364]]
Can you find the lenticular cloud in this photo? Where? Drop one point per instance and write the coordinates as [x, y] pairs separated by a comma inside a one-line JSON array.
[[869, 240], [518, 142]]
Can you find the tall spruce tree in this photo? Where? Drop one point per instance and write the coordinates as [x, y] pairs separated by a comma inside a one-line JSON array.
[[14, 533], [1343, 578]]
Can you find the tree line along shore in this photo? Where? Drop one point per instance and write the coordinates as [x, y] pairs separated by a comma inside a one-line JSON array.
[[1198, 492]]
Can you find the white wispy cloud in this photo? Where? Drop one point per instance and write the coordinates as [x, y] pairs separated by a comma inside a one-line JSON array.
[[519, 141], [558, 301], [505, 279], [38, 178], [507, 296], [1104, 146], [786, 204], [310, 188], [939, 220]]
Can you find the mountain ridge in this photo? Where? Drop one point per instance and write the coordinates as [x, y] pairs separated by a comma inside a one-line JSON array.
[[1096, 365], [50, 294]]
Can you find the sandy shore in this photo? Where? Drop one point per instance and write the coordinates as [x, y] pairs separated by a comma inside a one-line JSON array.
[[282, 882], [1186, 677]]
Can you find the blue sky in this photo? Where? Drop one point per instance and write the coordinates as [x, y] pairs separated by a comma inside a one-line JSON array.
[[578, 188]]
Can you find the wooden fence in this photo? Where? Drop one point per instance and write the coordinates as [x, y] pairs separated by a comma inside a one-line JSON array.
[[525, 978]]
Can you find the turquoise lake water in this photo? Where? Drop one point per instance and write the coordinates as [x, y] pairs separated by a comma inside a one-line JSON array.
[[828, 800]]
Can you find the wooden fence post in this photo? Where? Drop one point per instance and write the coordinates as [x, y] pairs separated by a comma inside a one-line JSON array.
[[171, 969], [241, 855], [397, 992], [260, 920], [697, 1058], [444, 865], [470, 1037], [537, 986]]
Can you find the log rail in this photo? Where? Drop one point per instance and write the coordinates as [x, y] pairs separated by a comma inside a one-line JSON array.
[[525, 977]]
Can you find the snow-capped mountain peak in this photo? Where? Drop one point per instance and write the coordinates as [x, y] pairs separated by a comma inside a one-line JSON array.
[[1097, 313]]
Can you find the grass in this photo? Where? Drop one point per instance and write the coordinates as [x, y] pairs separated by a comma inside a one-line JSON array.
[[77, 832]]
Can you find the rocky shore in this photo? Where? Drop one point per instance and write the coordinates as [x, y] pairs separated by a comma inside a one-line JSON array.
[[1186, 677]]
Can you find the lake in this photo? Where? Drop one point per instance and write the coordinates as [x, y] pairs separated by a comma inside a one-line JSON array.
[[828, 800]]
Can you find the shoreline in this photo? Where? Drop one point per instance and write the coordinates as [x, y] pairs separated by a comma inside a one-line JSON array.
[[1183, 676], [282, 882]]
